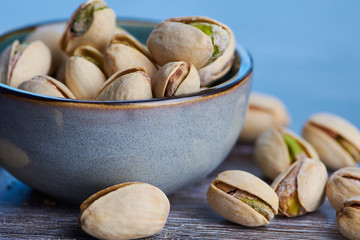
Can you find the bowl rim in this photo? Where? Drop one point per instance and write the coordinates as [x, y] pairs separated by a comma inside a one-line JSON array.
[[243, 74]]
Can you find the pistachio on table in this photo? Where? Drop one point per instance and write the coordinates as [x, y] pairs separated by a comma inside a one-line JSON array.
[[343, 184], [301, 188], [347, 218], [335, 139], [277, 148], [242, 198], [264, 112], [125, 211]]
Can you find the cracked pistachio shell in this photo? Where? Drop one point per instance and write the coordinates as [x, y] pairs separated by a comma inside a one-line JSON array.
[[175, 78], [175, 39], [225, 197], [343, 184], [125, 211], [131, 84], [83, 77], [21, 62], [301, 188], [92, 54], [264, 112], [93, 23], [335, 139], [348, 218], [274, 155], [126, 52], [46, 85], [50, 35]]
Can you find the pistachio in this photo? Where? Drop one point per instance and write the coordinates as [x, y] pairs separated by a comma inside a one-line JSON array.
[[277, 148], [196, 40], [264, 112], [131, 84], [347, 218], [46, 85], [242, 198], [125, 211], [93, 23], [343, 184], [335, 139], [301, 188], [91, 54]]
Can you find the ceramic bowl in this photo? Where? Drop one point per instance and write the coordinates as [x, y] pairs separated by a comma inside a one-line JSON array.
[[72, 148]]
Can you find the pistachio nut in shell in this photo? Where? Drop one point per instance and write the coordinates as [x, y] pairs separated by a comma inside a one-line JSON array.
[[175, 78], [343, 184], [131, 84], [46, 85], [277, 148], [348, 218], [242, 198], [83, 77], [301, 188], [264, 112], [126, 52], [91, 54], [21, 62], [196, 40], [335, 139], [93, 23], [125, 211]]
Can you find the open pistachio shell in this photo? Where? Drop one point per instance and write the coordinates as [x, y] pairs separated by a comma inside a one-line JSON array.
[[343, 184], [335, 139], [264, 112], [131, 84], [91, 54], [83, 77], [93, 23], [347, 218], [126, 52], [277, 148], [24, 61], [46, 85], [242, 198], [196, 40], [175, 78], [301, 188]]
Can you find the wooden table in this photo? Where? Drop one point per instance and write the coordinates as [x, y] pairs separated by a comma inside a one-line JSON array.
[[28, 214]]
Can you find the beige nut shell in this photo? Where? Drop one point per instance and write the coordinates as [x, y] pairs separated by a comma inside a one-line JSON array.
[[235, 210], [311, 182], [272, 154], [330, 151], [340, 188], [125, 211], [347, 218]]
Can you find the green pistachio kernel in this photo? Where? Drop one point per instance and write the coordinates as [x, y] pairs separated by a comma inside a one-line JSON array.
[[295, 149], [293, 205], [258, 205]]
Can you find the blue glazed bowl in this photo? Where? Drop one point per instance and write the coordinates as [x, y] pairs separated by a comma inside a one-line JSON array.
[[72, 148]]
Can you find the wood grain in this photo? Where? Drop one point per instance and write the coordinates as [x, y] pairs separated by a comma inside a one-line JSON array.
[[28, 214]]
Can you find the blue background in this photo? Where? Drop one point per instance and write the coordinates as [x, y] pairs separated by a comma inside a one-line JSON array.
[[306, 52]]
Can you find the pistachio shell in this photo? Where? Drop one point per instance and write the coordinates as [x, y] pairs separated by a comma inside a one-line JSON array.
[[343, 184], [125, 211], [83, 77], [46, 85], [61, 72], [347, 218], [91, 54]]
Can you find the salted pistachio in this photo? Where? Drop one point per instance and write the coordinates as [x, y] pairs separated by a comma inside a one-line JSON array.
[[125, 211], [20, 62], [264, 112], [93, 23], [277, 148], [335, 139], [301, 188], [126, 52], [242, 198], [347, 218], [50, 36], [131, 84], [343, 184], [46, 85], [175, 78], [91, 54], [196, 40]]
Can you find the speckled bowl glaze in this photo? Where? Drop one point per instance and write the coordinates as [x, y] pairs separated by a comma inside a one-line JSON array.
[[72, 148]]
